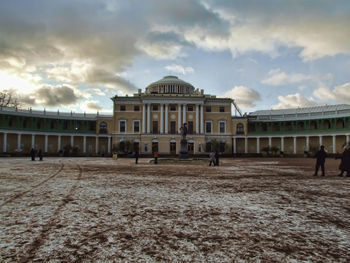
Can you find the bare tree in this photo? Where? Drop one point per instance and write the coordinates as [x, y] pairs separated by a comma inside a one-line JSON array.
[[8, 100]]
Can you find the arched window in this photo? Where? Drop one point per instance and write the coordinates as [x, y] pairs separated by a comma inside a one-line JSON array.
[[300, 125], [340, 124], [103, 127], [313, 125], [240, 128], [326, 124]]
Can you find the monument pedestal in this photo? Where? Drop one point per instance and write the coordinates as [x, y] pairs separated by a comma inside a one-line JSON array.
[[184, 149]]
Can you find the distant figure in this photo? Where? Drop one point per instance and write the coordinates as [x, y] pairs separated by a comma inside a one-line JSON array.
[[211, 159], [345, 161], [32, 154], [40, 155], [320, 160], [183, 131], [136, 156], [216, 158], [155, 154]]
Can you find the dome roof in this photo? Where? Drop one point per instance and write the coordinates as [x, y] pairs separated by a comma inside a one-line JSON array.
[[170, 84]]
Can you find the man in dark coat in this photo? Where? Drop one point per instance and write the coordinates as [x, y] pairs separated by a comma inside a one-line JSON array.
[[345, 161], [136, 156], [320, 160], [32, 154]]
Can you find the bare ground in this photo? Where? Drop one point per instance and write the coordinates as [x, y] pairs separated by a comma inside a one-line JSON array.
[[103, 210]]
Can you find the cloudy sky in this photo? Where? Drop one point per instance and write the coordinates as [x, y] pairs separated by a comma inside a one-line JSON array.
[[77, 54]]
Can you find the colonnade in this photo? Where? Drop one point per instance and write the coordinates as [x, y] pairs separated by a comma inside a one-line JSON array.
[[164, 117], [59, 140], [282, 142]]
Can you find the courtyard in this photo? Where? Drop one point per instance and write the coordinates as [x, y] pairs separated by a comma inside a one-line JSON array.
[[105, 210]]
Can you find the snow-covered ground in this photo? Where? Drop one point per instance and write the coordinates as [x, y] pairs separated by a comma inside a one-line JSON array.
[[104, 210]]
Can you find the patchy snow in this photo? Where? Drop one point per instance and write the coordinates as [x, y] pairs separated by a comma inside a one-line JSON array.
[[104, 210]]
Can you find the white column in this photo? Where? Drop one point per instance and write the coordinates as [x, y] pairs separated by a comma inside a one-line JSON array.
[[197, 119], [5, 143], [33, 141], [202, 119], [59, 142], [245, 145], [84, 144], [307, 143], [166, 118], [294, 145], [257, 145], [148, 118], [19, 141], [96, 145], [270, 142], [234, 145], [282, 144], [334, 144], [179, 118], [184, 114], [347, 138], [161, 118], [72, 140], [144, 118], [109, 144], [320, 140], [46, 143]]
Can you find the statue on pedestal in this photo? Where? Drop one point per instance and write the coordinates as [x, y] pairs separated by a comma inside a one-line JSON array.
[[184, 148], [183, 131]]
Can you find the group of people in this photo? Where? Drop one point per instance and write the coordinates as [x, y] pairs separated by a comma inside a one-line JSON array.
[[34, 153], [344, 165], [214, 158]]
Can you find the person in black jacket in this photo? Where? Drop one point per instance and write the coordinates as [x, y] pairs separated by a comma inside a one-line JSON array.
[[320, 160], [345, 161]]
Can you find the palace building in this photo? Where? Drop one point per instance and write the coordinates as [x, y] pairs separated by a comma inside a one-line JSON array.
[[151, 120]]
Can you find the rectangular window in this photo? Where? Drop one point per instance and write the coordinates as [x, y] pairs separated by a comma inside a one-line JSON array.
[[222, 109], [155, 107], [172, 107], [208, 109], [172, 127], [222, 127], [122, 107], [155, 127], [190, 127], [208, 126], [122, 126], [136, 126], [189, 108], [136, 108]]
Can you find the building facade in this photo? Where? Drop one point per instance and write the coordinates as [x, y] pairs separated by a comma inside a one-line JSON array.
[[151, 120]]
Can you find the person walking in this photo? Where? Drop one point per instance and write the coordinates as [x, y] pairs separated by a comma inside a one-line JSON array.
[[136, 157], [155, 155], [211, 159], [320, 160], [32, 154], [40, 155], [216, 158], [345, 161]]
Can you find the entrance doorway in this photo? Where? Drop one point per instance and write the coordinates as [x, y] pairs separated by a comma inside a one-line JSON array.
[[190, 148], [173, 148]]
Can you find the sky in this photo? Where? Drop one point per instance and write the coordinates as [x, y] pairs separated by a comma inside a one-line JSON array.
[[75, 55]]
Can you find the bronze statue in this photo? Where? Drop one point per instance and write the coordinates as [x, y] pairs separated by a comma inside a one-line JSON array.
[[183, 131]]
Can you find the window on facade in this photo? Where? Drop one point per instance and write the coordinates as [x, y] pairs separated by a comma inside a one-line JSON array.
[[222, 128], [222, 109], [326, 124], [340, 124], [208, 147], [208, 127], [122, 126], [173, 147], [136, 108], [136, 126], [222, 147], [155, 107], [189, 108], [264, 126], [172, 107], [313, 125], [122, 108], [155, 127], [251, 127], [300, 125], [240, 128], [103, 127], [53, 124], [288, 126], [208, 109], [190, 127], [276, 126], [92, 125], [173, 127]]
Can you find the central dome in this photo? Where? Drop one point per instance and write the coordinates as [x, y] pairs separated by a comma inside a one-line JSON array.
[[170, 85]]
